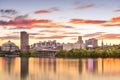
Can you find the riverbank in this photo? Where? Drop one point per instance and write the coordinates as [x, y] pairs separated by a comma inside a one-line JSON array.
[[93, 53], [73, 53]]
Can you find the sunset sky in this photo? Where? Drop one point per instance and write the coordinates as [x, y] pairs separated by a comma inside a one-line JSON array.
[[61, 20]]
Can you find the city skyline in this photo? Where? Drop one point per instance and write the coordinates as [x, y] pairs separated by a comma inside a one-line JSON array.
[[62, 20]]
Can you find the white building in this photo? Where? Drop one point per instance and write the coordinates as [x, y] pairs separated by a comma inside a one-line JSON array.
[[70, 46], [51, 45], [9, 46]]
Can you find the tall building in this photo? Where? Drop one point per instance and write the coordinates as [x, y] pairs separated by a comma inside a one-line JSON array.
[[80, 40], [24, 40], [91, 43]]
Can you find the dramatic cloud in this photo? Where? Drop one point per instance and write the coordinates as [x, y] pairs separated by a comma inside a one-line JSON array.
[[50, 10], [111, 36], [86, 6], [23, 22], [115, 21], [82, 21]]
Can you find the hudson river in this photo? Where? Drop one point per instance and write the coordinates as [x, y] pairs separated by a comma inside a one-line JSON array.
[[59, 69]]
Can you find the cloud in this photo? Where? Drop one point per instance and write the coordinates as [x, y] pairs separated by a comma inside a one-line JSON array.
[[9, 37], [93, 34], [50, 10], [77, 3], [111, 36], [53, 37], [115, 21], [52, 31], [86, 6], [73, 38], [63, 32], [8, 11], [16, 28], [117, 10], [42, 12], [103, 35], [23, 22], [82, 21], [5, 16], [53, 9], [21, 17]]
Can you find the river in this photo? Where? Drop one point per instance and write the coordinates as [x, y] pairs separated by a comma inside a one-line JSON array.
[[59, 69]]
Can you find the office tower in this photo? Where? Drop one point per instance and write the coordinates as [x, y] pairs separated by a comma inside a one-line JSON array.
[[80, 40], [24, 40], [91, 43]]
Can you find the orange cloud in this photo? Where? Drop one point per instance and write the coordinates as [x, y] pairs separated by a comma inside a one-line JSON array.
[[50, 10], [23, 23], [73, 38], [31, 23], [102, 35], [93, 34], [42, 12], [115, 21], [82, 21], [111, 36]]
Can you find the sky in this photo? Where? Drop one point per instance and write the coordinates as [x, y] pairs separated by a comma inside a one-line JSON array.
[[61, 20]]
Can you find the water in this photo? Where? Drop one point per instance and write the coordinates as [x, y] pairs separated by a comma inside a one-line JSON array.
[[59, 69]]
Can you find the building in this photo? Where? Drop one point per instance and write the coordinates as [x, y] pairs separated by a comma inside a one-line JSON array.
[[49, 45], [91, 43], [102, 44], [80, 40], [24, 40], [70, 46], [9, 46], [78, 44]]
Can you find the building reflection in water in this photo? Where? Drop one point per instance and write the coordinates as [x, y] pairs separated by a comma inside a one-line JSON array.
[[58, 68], [24, 68]]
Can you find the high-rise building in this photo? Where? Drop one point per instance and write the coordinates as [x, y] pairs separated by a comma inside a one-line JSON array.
[[80, 40], [24, 40], [91, 43]]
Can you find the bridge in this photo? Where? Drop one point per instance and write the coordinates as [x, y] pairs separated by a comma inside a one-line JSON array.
[[46, 53]]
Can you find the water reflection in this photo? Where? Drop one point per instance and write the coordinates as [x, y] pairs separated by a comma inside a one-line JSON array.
[[59, 69], [24, 68]]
